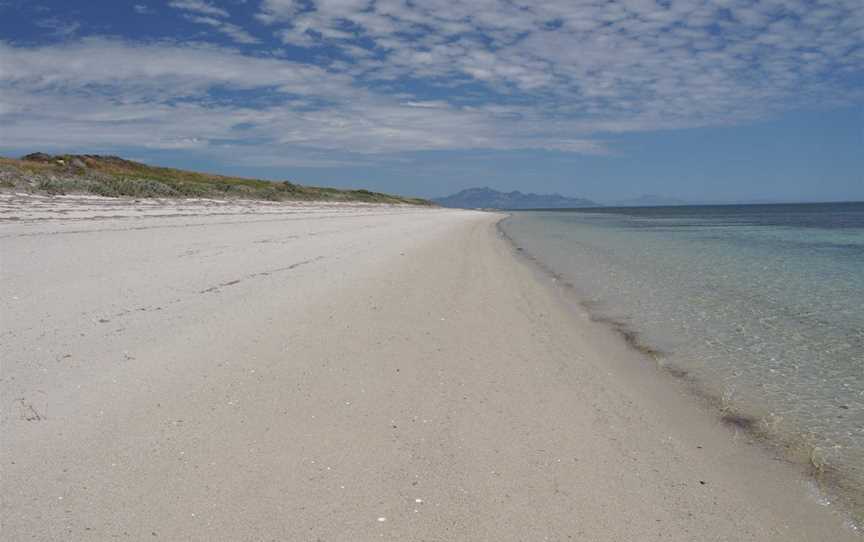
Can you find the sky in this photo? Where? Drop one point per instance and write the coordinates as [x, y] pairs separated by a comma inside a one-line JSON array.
[[702, 100]]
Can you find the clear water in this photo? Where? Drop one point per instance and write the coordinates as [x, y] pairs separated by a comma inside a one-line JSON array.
[[761, 305]]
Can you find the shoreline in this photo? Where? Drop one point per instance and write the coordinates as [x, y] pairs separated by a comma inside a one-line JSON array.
[[833, 487], [369, 374]]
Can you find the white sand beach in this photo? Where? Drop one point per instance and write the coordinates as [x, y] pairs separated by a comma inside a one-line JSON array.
[[218, 371]]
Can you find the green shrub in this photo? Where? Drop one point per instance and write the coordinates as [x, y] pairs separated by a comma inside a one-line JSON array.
[[191, 189], [59, 187], [269, 194], [287, 186], [139, 188], [52, 186]]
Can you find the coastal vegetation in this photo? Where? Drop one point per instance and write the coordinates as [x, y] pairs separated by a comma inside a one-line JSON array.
[[112, 176]]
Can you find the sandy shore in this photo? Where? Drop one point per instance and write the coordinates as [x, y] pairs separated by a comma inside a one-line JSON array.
[[342, 373]]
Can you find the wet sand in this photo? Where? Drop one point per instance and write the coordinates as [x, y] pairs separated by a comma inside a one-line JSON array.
[[342, 373]]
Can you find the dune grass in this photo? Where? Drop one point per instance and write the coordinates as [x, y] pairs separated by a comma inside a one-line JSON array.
[[112, 176]]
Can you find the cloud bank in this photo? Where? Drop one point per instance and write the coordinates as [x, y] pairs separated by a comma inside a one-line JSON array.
[[363, 78]]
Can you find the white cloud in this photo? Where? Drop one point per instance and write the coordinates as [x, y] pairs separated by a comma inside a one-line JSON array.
[[199, 6], [142, 9], [724, 59], [59, 28], [100, 92], [236, 33], [204, 13], [438, 74], [151, 70]]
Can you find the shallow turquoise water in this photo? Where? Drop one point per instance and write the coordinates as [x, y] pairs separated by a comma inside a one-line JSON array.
[[762, 305]]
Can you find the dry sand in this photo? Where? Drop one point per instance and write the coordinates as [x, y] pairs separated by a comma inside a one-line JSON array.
[[341, 373]]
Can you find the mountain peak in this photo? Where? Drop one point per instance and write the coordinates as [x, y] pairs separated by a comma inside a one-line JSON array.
[[488, 198]]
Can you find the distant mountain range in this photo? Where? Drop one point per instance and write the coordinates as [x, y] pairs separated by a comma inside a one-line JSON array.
[[487, 198]]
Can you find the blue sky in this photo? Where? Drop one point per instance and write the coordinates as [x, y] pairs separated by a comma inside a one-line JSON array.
[[720, 100]]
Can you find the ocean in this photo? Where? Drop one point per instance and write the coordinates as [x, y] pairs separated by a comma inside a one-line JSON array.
[[759, 307]]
